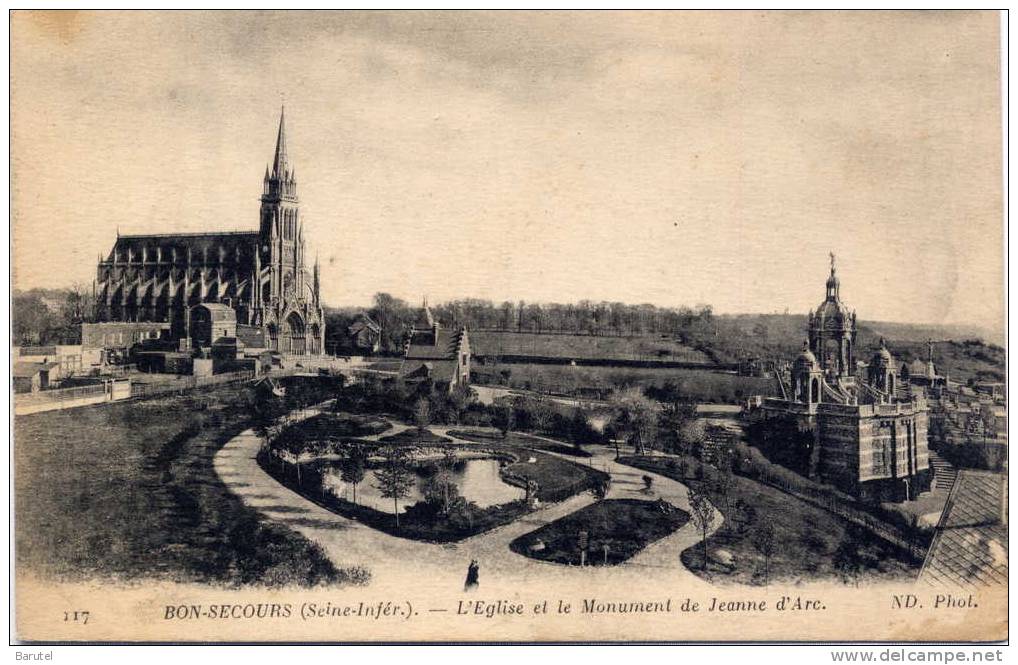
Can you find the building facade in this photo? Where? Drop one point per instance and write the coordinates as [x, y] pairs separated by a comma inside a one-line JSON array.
[[434, 355], [365, 334], [868, 428], [261, 275]]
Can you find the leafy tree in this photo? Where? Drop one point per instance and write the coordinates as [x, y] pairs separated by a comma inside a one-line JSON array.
[[442, 486], [766, 544], [394, 316], [353, 469], [702, 516], [579, 427], [691, 435], [503, 416], [31, 318], [76, 308], [459, 400], [395, 477], [635, 418], [422, 414], [723, 482]]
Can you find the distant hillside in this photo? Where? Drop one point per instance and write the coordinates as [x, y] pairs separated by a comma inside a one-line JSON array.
[[957, 351], [961, 360], [916, 332]]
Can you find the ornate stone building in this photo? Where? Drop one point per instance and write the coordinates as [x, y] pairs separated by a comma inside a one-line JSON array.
[[262, 275], [869, 429]]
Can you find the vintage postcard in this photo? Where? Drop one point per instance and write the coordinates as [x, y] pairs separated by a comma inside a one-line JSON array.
[[572, 326]]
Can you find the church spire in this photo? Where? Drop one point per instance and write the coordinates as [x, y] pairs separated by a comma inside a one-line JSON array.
[[280, 163], [317, 278]]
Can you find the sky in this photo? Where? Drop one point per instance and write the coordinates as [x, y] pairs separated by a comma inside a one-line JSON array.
[[667, 158]]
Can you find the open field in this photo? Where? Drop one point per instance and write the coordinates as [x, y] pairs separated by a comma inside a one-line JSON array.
[[616, 530], [696, 384], [127, 490], [811, 543], [572, 346]]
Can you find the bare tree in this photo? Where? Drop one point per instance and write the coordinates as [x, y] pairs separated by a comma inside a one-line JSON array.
[[540, 415], [702, 514], [765, 543], [395, 477], [353, 469]]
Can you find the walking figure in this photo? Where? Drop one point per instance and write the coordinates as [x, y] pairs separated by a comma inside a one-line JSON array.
[[472, 575]]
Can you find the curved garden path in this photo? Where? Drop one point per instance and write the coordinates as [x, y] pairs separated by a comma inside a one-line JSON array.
[[351, 543]]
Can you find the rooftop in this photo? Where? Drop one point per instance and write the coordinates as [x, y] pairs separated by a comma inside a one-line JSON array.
[[23, 370], [202, 234], [971, 546]]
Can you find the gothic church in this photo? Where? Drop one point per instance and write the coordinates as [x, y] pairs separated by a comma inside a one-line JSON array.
[[261, 275]]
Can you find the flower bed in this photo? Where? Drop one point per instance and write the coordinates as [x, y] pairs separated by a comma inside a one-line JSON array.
[[623, 526]]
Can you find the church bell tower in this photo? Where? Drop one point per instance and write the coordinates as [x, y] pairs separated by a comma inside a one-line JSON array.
[[280, 232]]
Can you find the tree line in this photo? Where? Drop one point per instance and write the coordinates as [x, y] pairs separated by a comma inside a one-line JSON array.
[[586, 317], [50, 316]]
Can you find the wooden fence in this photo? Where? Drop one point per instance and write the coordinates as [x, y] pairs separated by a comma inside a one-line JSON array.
[[183, 384], [916, 546], [65, 398]]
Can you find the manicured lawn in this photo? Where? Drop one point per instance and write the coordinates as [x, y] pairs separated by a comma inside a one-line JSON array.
[[334, 426], [518, 439], [557, 479], [626, 526], [644, 347], [807, 538], [698, 385], [127, 490], [414, 437]]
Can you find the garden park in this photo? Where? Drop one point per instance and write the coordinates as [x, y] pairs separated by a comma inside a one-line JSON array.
[[314, 481], [442, 468]]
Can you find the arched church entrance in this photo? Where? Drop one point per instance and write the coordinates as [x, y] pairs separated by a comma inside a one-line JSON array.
[[293, 339]]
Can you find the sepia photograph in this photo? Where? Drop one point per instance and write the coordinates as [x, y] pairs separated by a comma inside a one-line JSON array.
[[433, 327]]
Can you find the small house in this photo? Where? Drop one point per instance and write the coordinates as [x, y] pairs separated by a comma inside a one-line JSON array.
[[365, 334], [33, 377]]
